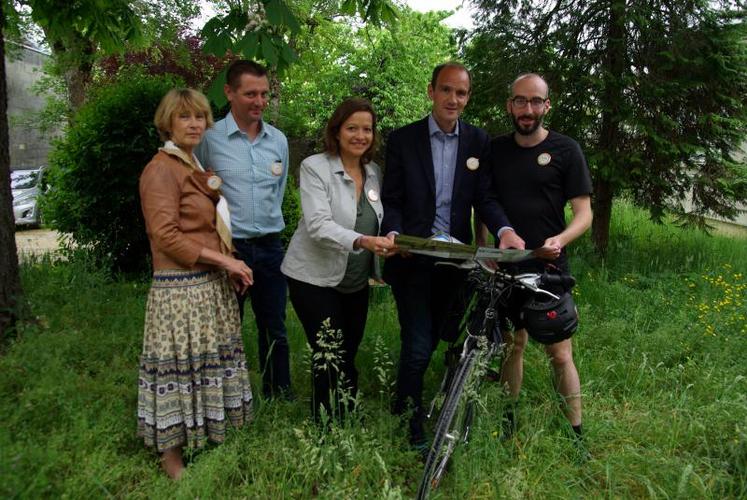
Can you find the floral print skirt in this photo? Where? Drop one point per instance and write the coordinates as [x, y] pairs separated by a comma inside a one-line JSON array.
[[193, 376]]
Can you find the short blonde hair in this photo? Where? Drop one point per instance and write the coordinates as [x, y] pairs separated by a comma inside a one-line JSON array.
[[177, 101]]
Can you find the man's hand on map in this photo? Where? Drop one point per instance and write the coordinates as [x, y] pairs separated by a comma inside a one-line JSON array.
[[549, 251], [509, 239]]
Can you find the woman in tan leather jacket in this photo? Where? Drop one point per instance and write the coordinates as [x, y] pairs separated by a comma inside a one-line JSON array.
[[193, 375]]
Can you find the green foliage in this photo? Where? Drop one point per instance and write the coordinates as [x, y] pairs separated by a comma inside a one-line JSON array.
[[266, 30], [164, 20], [95, 169], [156, 23], [258, 29], [291, 210], [389, 66], [68, 22], [254, 31], [376, 12], [180, 55], [77, 32], [664, 394]]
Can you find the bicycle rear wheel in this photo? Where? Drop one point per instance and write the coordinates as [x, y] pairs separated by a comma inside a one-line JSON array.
[[453, 425]]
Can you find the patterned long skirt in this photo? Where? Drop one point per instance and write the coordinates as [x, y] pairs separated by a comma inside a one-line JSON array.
[[193, 375]]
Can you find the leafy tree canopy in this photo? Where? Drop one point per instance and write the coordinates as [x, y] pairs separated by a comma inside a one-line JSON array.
[[80, 32], [266, 30], [389, 66], [181, 55]]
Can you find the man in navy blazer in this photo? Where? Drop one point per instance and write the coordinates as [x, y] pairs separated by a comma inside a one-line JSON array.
[[436, 173]]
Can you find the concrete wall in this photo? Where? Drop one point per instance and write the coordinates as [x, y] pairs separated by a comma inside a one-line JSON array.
[[23, 68], [741, 221]]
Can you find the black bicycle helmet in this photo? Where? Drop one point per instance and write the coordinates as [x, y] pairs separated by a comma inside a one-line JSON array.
[[549, 320]]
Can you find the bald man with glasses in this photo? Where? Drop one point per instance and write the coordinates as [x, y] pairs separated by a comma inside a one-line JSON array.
[[536, 172]]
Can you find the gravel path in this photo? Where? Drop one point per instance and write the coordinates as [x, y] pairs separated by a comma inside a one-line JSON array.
[[36, 242]]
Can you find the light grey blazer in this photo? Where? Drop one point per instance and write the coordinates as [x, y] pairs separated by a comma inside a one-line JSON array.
[[318, 251]]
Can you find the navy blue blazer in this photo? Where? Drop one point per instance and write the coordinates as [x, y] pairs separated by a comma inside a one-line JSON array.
[[409, 188]]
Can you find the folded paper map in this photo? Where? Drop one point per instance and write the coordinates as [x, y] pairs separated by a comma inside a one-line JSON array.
[[460, 251]]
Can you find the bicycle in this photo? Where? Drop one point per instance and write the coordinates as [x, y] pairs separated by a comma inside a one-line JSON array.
[[482, 342]]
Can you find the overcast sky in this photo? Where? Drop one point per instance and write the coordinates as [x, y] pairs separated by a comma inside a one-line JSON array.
[[460, 19]]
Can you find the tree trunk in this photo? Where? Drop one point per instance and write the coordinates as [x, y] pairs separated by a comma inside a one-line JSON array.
[[74, 58], [602, 207], [78, 79], [275, 90], [610, 133], [10, 280]]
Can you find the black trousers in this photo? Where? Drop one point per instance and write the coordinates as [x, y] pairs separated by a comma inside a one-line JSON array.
[[268, 297], [346, 312], [429, 310]]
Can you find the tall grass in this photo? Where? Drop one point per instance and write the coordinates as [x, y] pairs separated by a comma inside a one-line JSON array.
[[660, 350]]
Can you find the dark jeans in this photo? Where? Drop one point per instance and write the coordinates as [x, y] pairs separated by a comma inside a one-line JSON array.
[[425, 296], [268, 295], [347, 312]]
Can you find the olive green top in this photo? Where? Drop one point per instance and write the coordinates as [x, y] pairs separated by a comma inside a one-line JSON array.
[[359, 264]]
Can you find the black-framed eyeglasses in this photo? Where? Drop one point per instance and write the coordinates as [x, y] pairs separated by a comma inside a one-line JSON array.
[[520, 101]]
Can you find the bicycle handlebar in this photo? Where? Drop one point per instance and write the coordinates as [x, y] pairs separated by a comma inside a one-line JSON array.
[[530, 281], [563, 280]]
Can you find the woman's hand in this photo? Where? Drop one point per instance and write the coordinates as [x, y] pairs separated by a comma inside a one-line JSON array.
[[239, 273], [379, 245]]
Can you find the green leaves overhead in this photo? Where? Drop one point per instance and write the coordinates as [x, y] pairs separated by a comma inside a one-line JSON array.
[[390, 66], [376, 12], [265, 30], [110, 23], [262, 29], [278, 14], [258, 30]]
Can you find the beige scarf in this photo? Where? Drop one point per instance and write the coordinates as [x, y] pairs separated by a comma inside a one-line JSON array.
[[222, 215]]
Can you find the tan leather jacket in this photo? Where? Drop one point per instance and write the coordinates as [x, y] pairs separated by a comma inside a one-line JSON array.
[[179, 211]]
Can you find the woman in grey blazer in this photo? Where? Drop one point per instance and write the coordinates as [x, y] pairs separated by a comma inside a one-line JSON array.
[[331, 255]]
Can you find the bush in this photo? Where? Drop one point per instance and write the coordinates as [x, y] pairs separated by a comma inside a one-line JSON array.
[[95, 170], [291, 210]]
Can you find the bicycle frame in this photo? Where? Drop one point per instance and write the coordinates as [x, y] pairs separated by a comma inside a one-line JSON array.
[[479, 321]]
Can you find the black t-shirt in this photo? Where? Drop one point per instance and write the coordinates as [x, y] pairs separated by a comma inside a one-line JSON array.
[[534, 184]]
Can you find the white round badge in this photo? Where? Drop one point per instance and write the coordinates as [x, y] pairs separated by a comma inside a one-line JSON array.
[[373, 195], [214, 182], [544, 159], [277, 168], [473, 163]]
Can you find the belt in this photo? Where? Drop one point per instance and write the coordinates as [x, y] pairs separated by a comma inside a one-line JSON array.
[[258, 239]]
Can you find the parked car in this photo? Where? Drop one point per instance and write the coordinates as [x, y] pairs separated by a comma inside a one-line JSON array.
[[26, 186]]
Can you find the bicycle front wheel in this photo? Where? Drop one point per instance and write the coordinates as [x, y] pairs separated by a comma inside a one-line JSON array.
[[452, 426]]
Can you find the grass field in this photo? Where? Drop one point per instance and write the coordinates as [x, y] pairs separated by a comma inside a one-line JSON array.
[[661, 351]]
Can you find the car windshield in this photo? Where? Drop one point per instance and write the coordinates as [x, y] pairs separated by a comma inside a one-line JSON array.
[[23, 179]]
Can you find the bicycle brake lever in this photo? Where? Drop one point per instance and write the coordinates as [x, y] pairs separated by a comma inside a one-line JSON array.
[[531, 282], [550, 294]]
